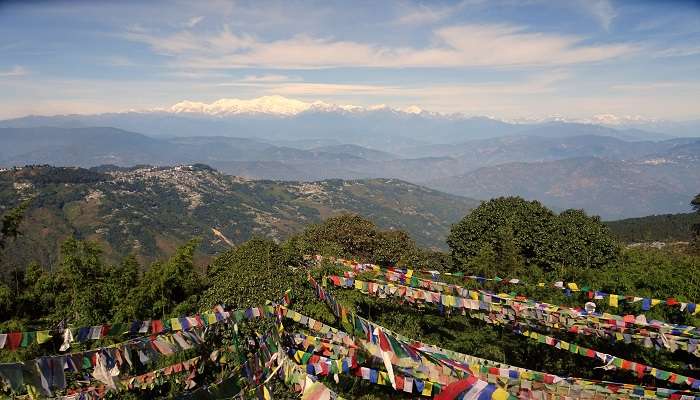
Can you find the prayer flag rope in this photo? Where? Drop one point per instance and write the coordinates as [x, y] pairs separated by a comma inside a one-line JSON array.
[[503, 309], [611, 361], [15, 340], [612, 390], [614, 299]]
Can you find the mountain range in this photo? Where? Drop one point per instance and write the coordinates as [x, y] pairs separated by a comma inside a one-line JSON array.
[[150, 210], [564, 164]]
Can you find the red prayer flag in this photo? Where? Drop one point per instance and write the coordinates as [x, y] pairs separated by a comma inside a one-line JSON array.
[[13, 340], [451, 391], [156, 326]]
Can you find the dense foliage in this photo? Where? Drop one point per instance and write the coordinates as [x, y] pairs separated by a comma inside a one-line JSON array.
[[149, 212], [525, 233], [655, 228], [502, 237], [695, 245]]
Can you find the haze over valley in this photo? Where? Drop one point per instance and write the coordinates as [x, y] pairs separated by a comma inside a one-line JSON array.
[[564, 164]]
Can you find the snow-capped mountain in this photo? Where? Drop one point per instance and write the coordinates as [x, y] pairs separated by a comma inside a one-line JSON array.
[[272, 105]]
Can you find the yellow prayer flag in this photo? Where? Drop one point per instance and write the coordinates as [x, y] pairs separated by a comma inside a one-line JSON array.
[[572, 286], [175, 324], [428, 389], [613, 300], [655, 302], [43, 337], [499, 394]]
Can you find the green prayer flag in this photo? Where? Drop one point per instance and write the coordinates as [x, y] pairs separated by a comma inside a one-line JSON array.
[[305, 358], [28, 338]]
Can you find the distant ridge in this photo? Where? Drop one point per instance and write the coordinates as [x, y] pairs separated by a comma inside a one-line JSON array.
[[150, 210]]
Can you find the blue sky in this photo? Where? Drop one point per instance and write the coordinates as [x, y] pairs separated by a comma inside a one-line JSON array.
[[508, 59]]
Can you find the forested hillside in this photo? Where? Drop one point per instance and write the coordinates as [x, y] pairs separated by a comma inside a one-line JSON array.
[[148, 211], [662, 228], [500, 315]]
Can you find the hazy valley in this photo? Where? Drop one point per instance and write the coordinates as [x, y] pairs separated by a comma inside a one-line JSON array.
[[563, 164]]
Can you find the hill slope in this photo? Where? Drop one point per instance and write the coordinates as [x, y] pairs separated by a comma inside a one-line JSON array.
[[612, 189], [661, 228], [150, 210]]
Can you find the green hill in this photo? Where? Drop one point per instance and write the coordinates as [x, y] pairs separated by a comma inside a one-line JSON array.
[[150, 211], [661, 228]]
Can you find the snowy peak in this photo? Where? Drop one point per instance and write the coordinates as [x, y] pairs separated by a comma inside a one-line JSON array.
[[274, 105], [280, 106], [262, 105]]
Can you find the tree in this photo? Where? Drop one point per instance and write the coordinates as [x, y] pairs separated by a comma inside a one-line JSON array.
[[542, 238], [9, 228], [483, 263], [582, 241], [395, 247], [80, 295], [695, 244], [248, 275], [344, 235], [119, 281], [36, 294], [167, 288], [508, 259], [353, 236]]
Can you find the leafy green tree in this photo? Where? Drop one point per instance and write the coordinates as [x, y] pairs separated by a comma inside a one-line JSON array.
[[11, 221], [345, 235], [248, 275], [695, 245], [167, 288], [353, 236], [9, 226], [120, 280], [541, 237], [7, 300], [395, 247], [582, 241], [80, 296], [483, 263], [508, 259], [36, 293]]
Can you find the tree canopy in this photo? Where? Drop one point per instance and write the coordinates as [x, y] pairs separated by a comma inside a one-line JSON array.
[[503, 236], [518, 230], [695, 244]]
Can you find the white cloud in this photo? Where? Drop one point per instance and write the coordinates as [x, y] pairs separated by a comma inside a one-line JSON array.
[[192, 22], [601, 10], [679, 51], [331, 89], [429, 13], [17, 70], [457, 46], [538, 96], [536, 84], [269, 78], [659, 85], [117, 61]]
